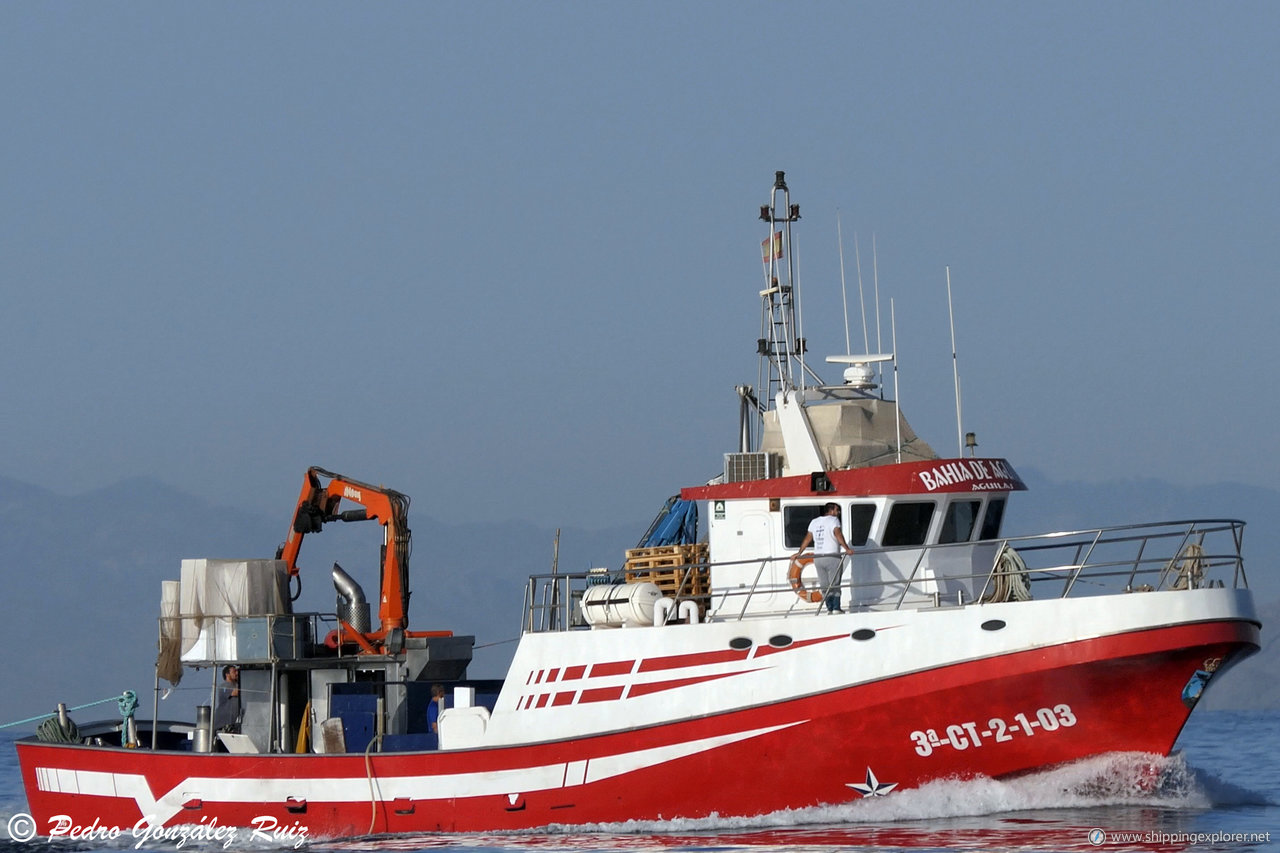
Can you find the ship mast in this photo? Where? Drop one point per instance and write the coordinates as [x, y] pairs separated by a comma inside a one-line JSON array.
[[780, 347], [784, 390]]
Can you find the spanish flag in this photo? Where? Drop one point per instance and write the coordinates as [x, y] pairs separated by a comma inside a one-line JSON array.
[[771, 249]]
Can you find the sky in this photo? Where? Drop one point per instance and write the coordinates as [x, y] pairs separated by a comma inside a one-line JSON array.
[[504, 257]]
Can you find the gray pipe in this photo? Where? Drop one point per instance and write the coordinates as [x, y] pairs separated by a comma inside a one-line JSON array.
[[353, 607], [204, 729]]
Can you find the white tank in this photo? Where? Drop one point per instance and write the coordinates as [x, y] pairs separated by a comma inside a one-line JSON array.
[[620, 605]]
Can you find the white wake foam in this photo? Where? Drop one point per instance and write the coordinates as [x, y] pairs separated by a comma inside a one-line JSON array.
[[1113, 779], [1117, 779]]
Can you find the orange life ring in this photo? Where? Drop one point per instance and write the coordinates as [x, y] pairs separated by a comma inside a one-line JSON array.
[[798, 564]]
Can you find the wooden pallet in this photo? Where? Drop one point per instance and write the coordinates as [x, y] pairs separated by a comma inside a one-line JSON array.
[[693, 552], [679, 571], [656, 564], [666, 557], [690, 582]]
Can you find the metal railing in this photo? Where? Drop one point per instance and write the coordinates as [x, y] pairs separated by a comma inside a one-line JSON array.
[[1175, 555], [213, 640]]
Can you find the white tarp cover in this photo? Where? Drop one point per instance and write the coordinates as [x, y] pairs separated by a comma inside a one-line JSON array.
[[852, 434], [213, 591], [169, 662]]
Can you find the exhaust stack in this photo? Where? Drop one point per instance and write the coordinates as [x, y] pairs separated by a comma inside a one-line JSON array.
[[353, 607]]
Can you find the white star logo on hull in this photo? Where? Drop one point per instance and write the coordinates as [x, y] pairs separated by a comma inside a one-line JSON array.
[[873, 787]]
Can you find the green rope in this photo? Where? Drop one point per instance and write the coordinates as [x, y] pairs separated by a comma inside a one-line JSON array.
[[128, 704], [120, 699], [52, 731]]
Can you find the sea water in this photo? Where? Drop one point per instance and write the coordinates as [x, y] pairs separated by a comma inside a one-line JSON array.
[[1219, 791]]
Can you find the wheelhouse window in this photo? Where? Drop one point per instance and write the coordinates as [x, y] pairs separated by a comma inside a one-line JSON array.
[[991, 522], [857, 519], [908, 523], [858, 523], [960, 521], [795, 522]]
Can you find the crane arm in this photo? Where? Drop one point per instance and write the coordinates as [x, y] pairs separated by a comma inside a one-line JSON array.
[[318, 502]]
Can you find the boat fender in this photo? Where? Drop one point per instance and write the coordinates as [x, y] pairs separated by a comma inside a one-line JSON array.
[[798, 564]]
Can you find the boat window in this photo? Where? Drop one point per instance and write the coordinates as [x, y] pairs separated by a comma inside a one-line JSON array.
[[961, 519], [908, 524], [857, 522], [991, 523], [795, 522]]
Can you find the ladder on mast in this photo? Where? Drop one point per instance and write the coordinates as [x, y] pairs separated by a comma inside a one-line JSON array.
[[779, 346]]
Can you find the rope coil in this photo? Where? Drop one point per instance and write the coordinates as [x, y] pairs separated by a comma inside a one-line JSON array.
[[51, 730], [1009, 581]]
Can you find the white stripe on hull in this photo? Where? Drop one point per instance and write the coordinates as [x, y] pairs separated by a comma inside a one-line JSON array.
[[346, 789]]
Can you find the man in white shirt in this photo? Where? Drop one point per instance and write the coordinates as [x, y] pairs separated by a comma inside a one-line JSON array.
[[827, 538]]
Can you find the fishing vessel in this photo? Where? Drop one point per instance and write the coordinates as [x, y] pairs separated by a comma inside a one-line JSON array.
[[709, 674]]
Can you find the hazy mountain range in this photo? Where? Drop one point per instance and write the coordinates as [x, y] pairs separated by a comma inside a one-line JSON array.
[[82, 575]]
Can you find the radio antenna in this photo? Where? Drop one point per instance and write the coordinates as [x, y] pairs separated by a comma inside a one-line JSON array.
[[844, 294], [955, 367], [875, 276], [862, 299], [897, 392]]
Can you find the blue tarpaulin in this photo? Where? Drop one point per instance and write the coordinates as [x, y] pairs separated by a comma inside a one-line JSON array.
[[676, 524]]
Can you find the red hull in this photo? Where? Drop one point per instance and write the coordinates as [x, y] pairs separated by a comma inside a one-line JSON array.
[[994, 717]]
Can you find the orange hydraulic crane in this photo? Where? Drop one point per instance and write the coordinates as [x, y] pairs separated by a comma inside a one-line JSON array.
[[322, 492]]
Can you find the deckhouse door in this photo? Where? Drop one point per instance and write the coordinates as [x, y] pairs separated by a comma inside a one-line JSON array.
[[753, 568]]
